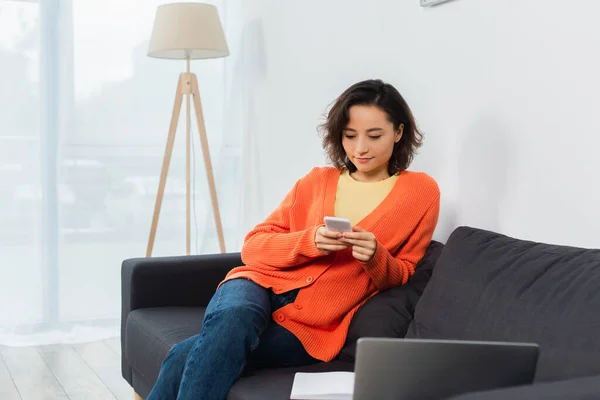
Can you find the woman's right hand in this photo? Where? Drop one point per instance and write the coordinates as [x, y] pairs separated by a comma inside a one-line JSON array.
[[327, 241]]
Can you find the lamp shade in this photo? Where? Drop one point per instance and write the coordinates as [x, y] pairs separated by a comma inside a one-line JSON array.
[[187, 30]]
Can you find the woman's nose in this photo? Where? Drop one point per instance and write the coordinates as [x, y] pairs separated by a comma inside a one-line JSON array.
[[361, 146]]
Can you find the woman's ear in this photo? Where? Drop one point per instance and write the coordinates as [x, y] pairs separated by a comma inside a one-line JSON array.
[[399, 133]]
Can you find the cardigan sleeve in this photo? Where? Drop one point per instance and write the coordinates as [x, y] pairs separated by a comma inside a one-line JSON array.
[[387, 270], [272, 244]]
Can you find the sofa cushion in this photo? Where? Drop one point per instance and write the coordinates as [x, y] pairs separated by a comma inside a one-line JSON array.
[[388, 313], [151, 332], [487, 286], [276, 384]]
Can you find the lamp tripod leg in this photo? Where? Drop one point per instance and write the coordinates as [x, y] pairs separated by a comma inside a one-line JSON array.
[[207, 161], [166, 163]]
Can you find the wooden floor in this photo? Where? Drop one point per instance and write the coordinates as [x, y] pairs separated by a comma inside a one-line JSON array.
[[76, 372]]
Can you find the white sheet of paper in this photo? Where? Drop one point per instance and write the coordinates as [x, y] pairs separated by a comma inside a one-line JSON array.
[[323, 386]]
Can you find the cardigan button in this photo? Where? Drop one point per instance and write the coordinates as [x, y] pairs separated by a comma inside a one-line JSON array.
[[298, 306], [309, 279], [280, 318]]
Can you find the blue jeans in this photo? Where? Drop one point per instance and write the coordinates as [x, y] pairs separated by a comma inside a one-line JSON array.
[[237, 335]]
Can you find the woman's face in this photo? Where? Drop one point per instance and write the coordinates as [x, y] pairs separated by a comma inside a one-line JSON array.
[[368, 141]]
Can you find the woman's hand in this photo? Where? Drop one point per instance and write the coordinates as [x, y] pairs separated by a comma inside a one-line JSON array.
[[328, 241], [363, 243]]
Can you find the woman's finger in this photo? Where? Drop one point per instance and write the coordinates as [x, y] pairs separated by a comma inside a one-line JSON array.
[[333, 247], [360, 256], [362, 250], [358, 235], [331, 234], [358, 242], [325, 240]]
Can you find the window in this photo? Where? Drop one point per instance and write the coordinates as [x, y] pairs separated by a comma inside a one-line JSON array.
[[84, 119]]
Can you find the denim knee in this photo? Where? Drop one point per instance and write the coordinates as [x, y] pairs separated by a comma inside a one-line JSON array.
[[238, 319]]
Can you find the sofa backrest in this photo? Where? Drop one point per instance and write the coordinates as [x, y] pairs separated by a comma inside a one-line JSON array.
[[487, 286]]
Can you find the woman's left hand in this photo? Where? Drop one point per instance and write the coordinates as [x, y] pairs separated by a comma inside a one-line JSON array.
[[363, 243]]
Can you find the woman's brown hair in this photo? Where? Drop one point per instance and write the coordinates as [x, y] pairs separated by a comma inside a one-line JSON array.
[[386, 97]]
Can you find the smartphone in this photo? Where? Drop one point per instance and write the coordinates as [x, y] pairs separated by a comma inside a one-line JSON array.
[[338, 224]]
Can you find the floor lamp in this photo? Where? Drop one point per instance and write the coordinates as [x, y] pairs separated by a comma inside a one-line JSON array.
[[187, 31]]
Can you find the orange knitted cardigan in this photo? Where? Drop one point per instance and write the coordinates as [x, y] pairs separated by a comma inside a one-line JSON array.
[[280, 253]]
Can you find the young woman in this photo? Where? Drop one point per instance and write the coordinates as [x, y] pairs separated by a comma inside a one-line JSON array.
[[293, 300]]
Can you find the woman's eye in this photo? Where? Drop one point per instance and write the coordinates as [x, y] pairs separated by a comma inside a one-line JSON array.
[[375, 137], [349, 136]]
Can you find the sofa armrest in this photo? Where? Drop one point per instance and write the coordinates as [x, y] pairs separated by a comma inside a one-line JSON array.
[[184, 281], [173, 281], [587, 388]]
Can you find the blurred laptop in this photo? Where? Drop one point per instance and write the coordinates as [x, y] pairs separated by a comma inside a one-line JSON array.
[[408, 369]]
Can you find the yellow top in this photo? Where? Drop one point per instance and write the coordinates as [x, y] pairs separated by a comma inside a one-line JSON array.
[[355, 200]]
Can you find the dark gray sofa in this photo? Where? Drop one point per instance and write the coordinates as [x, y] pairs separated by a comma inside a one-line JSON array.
[[484, 286]]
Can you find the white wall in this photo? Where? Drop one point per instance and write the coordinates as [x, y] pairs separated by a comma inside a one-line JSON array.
[[506, 91]]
